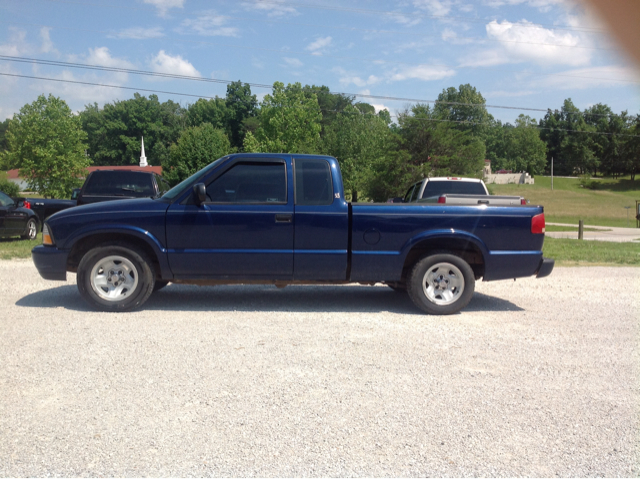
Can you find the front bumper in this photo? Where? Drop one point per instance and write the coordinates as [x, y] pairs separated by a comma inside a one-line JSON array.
[[545, 267], [50, 262]]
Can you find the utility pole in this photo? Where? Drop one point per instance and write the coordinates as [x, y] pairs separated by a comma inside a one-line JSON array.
[[552, 173]]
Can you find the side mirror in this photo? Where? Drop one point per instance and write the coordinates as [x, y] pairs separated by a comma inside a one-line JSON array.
[[199, 193]]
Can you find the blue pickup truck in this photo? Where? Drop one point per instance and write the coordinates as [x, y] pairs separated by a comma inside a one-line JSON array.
[[282, 219]]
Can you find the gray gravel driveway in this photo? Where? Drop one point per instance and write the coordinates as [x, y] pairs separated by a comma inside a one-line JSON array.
[[534, 378]]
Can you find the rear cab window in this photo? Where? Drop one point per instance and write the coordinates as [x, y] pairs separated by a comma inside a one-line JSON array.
[[313, 184], [437, 188], [119, 183]]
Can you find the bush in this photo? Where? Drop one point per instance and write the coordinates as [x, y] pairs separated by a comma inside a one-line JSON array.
[[9, 188], [586, 182]]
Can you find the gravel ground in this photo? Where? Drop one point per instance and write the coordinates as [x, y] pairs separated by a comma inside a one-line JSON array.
[[534, 378]]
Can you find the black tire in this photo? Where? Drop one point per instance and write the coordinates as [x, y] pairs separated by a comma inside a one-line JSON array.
[[159, 285], [441, 283], [115, 278], [31, 230]]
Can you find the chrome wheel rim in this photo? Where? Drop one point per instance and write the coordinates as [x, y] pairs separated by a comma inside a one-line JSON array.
[[443, 284], [32, 230], [114, 278]]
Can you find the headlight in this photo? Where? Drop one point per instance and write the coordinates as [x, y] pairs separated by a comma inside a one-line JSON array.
[[47, 237]]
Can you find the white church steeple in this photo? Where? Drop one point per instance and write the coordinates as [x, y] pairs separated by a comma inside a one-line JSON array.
[[143, 159]]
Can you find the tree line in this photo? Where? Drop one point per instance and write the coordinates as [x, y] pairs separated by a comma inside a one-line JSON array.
[[379, 157]]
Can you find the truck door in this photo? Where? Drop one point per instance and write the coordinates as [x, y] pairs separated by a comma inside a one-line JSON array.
[[243, 230], [321, 221]]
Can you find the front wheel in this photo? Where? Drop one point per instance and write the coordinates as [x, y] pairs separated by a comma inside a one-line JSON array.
[[31, 230], [441, 284], [115, 278]]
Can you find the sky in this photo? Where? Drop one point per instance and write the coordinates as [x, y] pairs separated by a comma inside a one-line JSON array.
[[521, 55]]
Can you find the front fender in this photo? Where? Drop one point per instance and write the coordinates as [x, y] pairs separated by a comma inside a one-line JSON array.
[[111, 229]]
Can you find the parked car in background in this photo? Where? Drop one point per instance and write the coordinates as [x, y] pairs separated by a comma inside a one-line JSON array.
[[457, 191], [17, 218], [107, 185]]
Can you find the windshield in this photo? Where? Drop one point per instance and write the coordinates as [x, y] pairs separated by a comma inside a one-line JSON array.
[[179, 188]]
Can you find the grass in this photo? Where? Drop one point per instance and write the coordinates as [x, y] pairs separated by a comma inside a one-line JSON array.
[[18, 248], [571, 252], [569, 203], [573, 228]]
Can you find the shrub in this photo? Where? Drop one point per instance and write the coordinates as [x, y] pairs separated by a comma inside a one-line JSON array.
[[9, 188], [586, 182]]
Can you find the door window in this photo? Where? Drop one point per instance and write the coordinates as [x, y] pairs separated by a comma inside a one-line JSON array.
[[250, 182]]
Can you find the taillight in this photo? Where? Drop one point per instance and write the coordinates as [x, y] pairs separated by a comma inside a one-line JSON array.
[[442, 199], [538, 224], [26, 205], [523, 201]]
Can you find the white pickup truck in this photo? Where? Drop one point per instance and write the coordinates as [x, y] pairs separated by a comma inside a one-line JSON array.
[[457, 191]]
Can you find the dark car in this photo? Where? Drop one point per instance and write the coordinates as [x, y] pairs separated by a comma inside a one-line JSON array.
[[17, 219], [107, 185]]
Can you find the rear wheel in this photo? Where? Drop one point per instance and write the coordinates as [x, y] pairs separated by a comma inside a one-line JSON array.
[[31, 230], [441, 284], [115, 278]]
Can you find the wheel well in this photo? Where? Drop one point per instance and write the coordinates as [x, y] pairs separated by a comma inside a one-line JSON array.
[[466, 250], [88, 243]]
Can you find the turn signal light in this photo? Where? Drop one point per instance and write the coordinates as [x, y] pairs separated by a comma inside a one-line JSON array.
[[47, 239], [538, 224]]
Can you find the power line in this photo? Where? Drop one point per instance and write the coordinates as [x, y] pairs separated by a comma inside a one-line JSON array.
[[334, 111], [257, 85]]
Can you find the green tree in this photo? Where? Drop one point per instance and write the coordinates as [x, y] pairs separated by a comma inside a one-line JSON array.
[[114, 132], [439, 148], [630, 149], [196, 148], [47, 143], [465, 107], [358, 141], [289, 122], [242, 108], [519, 148], [213, 111]]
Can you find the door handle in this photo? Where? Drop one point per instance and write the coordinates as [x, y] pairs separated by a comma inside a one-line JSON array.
[[483, 202], [284, 218]]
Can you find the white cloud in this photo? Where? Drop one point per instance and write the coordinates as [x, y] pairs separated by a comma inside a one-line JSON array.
[[47, 44], [317, 46], [434, 7], [423, 72], [448, 35], [17, 43], [542, 5], [527, 42], [163, 6], [210, 24], [293, 62], [583, 78], [101, 56], [164, 63], [272, 9], [139, 33], [347, 78]]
